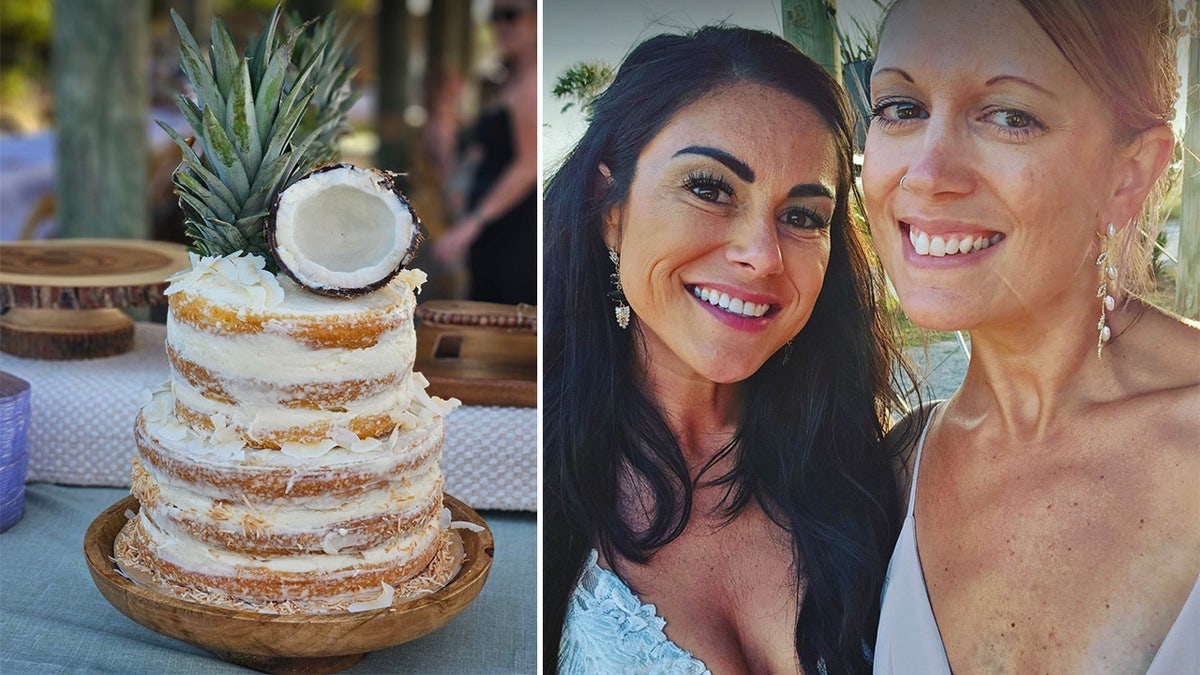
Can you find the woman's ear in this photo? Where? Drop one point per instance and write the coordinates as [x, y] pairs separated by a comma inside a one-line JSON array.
[[1139, 167], [612, 217], [612, 229]]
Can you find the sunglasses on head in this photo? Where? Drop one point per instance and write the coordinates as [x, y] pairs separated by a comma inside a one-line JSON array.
[[506, 14]]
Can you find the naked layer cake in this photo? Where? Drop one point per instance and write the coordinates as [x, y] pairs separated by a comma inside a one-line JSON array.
[[290, 464]]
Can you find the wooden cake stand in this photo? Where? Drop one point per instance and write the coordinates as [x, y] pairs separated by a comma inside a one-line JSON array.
[[63, 296], [481, 353], [286, 643]]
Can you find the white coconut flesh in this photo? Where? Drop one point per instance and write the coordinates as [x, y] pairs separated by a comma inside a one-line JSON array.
[[342, 228]]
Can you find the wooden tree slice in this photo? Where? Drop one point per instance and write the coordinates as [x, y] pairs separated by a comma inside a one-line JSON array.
[[61, 294], [87, 273], [60, 334]]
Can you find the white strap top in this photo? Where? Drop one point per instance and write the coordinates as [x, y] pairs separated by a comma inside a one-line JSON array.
[[909, 642]]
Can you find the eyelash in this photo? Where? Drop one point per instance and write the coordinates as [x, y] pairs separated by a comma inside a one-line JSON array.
[[1033, 124], [879, 110], [814, 220], [704, 180]]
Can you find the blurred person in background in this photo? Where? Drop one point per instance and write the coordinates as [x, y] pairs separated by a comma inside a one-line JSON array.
[[497, 233]]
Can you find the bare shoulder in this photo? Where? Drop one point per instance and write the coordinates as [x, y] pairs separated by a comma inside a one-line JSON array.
[[1168, 346], [1167, 354], [1161, 377]]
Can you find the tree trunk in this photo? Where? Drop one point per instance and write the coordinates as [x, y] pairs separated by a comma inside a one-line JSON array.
[[101, 94], [808, 25], [1187, 279], [395, 147]]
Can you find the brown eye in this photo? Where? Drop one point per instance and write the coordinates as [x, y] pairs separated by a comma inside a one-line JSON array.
[[804, 219], [896, 110], [709, 188]]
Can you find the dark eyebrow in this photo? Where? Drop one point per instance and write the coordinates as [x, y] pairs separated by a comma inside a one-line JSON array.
[[809, 190], [737, 166]]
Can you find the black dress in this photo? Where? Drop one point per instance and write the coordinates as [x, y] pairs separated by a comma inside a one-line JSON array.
[[503, 259]]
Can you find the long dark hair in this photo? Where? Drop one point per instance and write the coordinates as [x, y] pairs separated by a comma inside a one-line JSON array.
[[808, 446]]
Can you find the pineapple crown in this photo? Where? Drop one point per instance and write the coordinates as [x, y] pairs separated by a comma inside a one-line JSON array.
[[261, 121]]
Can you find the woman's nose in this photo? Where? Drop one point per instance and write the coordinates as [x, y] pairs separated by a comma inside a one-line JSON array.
[[754, 244], [941, 162]]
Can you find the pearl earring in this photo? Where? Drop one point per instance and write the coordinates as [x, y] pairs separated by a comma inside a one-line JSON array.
[[1106, 262]]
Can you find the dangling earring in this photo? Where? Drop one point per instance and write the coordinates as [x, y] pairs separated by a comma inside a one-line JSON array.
[[622, 311], [1106, 262], [787, 352]]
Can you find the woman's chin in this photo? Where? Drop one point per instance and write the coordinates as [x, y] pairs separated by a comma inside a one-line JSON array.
[[940, 311], [729, 371]]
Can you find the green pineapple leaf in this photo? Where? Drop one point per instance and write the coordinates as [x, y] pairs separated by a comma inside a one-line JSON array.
[[195, 67], [244, 131], [224, 55], [269, 91], [224, 157]]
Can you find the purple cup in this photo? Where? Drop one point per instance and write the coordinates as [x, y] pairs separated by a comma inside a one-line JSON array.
[[12, 492], [14, 447], [14, 419]]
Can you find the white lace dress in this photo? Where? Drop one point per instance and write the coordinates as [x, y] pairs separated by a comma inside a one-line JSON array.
[[608, 630]]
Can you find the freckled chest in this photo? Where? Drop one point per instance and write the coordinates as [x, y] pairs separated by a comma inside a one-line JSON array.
[[1055, 557]]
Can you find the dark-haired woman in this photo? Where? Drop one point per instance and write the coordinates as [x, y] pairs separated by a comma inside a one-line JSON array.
[[716, 371]]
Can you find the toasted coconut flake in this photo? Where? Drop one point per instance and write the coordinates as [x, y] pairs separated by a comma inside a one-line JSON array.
[[384, 600], [343, 230]]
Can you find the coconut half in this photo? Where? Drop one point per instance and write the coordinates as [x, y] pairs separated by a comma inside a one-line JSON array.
[[343, 230]]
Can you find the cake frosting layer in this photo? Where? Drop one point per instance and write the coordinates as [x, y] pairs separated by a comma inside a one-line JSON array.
[[300, 578], [219, 465], [235, 295]]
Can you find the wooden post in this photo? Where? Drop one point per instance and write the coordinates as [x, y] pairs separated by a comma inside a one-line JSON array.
[[808, 24], [1187, 277], [102, 100]]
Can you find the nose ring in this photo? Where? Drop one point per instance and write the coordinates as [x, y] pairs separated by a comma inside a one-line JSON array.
[[902, 179]]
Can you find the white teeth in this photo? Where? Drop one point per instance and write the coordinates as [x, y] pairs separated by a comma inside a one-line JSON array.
[[922, 244], [730, 304], [954, 244]]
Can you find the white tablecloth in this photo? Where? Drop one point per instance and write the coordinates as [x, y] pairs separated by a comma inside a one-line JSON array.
[[81, 427]]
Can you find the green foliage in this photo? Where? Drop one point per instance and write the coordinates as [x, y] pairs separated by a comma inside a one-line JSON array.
[[26, 21], [328, 50], [581, 83], [1158, 257], [860, 46]]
